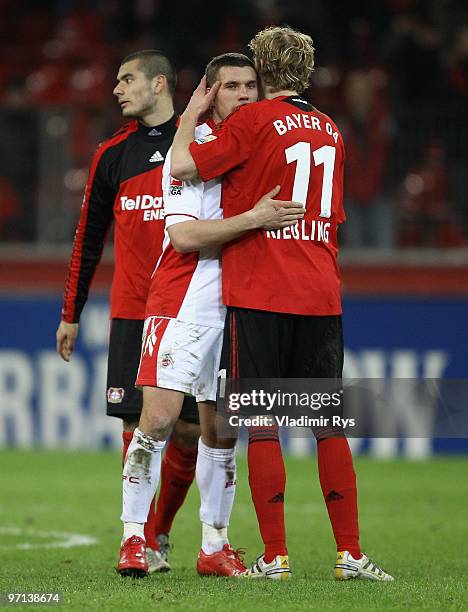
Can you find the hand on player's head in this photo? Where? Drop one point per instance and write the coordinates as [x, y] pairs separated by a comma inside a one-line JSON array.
[[273, 214], [202, 98]]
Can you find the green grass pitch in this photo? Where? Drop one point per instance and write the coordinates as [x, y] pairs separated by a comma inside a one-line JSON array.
[[413, 520]]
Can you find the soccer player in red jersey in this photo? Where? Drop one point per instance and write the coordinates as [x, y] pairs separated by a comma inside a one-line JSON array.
[[183, 336], [124, 187], [282, 288]]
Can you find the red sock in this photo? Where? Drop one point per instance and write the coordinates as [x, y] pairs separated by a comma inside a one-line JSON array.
[[177, 474], [338, 482], [267, 479], [127, 437], [149, 525], [150, 537]]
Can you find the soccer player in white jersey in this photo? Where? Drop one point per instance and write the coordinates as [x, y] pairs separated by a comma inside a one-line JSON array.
[[182, 339]]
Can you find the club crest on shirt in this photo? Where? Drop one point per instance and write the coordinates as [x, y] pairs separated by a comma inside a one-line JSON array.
[[175, 187], [115, 395], [206, 138]]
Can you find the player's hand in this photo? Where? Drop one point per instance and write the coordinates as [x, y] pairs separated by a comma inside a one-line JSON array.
[[202, 99], [270, 214], [66, 336]]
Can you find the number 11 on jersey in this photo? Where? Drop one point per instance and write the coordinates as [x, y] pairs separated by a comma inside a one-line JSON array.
[[300, 153]]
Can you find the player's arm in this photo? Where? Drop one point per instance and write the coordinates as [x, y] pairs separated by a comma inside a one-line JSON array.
[[95, 219], [183, 166], [193, 235]]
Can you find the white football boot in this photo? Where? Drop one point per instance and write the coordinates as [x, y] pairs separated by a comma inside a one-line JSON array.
[[278, 569], [348, 568], [156, 562]]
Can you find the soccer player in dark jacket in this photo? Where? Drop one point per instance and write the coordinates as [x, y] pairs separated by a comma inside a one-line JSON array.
[[124, 187]]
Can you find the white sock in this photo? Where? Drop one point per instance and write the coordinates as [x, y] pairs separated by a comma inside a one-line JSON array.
[[216, 480], [140, 478], [133, 529], [213, 539]]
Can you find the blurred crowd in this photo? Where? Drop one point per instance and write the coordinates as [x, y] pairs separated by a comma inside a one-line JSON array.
[[392, 73]]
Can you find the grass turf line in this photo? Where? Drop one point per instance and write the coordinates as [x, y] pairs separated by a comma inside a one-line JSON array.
[[412, 517]]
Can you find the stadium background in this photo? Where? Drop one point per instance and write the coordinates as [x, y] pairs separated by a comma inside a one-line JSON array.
[[393, 73]]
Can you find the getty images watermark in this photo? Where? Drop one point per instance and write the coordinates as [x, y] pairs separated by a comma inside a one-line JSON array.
[[265, 401], [364, 408]]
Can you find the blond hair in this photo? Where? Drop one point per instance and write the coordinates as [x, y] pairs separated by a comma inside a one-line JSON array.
[[284, 58]]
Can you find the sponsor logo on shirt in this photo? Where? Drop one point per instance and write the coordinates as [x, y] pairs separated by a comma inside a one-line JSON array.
[[115, 395], [206, 138], [156, 157], [152, 206], [176, 187]]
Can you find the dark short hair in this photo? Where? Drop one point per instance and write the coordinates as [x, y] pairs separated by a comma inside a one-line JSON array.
[[237, 60], [152, 63]]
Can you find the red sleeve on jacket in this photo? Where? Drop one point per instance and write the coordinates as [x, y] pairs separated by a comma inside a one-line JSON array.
[[95, 219]]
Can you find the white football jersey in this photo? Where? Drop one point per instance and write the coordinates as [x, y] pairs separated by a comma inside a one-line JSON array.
[[187, 286]]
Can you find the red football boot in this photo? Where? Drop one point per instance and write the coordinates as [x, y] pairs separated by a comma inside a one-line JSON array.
[[132, 560], [226, 562]]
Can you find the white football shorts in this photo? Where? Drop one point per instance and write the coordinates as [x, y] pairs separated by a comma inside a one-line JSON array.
[[180, 356]]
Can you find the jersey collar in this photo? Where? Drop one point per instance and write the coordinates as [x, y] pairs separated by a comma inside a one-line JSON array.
[[210, 122], [158, 132]]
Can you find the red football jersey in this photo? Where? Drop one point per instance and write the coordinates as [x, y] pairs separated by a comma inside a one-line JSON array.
[[286, 142]]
